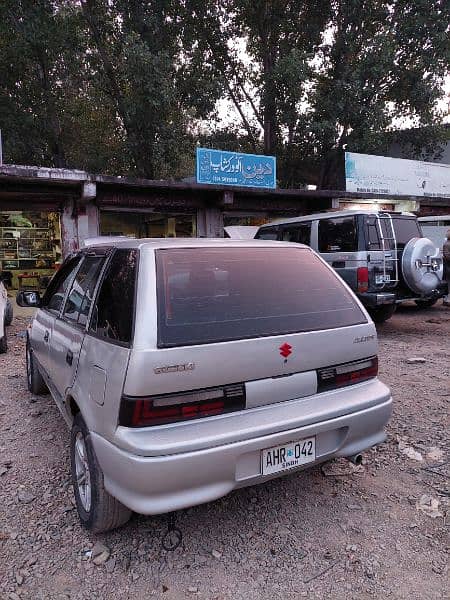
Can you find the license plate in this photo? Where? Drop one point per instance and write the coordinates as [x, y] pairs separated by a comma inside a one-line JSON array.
[[382, 278], [288, 456]]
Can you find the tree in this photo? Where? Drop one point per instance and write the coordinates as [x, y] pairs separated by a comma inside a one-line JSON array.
[[329, 75], [36, 47], [145, 59], [384, 64]]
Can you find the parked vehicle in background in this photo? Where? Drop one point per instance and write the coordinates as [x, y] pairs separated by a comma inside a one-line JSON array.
[[188, 368], [241, 232], [6, 317], [382, 256], [435, 228]]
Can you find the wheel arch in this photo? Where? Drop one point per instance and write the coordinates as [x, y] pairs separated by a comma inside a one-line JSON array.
[[72, 407]]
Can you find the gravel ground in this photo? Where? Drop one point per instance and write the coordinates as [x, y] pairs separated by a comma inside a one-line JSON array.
[[339, 531]]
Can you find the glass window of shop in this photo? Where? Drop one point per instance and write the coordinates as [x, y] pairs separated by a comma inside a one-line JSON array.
[[30, 247], [143, 224], [247, 219]]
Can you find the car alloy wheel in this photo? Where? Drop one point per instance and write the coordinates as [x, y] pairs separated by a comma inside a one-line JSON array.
[[82, 472]]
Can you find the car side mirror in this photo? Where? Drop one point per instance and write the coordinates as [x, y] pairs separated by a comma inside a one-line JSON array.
[[28, 299]]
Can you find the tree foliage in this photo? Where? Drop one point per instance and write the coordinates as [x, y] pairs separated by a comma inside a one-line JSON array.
[[127, 86]]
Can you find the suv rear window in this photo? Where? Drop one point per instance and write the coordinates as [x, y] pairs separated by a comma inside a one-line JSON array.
[[217, 294], [405, 229]]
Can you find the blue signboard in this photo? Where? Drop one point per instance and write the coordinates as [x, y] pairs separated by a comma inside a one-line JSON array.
[[232, 168]]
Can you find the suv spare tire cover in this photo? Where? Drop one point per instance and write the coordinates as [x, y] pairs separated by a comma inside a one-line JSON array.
[[422, 267]]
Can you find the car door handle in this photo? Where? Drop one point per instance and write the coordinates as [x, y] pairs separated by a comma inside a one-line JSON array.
[[46, 336], [69, 357]]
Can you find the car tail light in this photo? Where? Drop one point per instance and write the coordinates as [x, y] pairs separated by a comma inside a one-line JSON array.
[[350, 373], [362, 276], [183, 406]]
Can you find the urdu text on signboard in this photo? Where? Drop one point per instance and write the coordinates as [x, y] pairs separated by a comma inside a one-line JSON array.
[[396, 176], [219, 167]]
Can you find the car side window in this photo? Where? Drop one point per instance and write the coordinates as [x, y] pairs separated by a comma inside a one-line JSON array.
[[112, 316], [299, 233], [56, 290], [267, 233], [81, 292], [338, 235]]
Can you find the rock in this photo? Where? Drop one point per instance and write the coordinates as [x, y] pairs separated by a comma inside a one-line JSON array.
[[26, 497], [216, 554], [369, 572], [100, 554], [36, 412], [415, 360], [430, 506], [110, 565], [3, 471], [410, 452], [434, 454], [19, 579], [192, 590]]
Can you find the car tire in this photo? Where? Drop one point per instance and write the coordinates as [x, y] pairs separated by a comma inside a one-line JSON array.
[[35, 383], [382, 313], [426, 303], [97, 509], [3, 343], [8, 313]]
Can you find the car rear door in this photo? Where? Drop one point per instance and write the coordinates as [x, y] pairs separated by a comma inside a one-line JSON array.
[[106, 347], [69, 327]]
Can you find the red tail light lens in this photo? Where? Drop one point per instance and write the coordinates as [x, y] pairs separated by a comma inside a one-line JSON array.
[[172, 408], [362, 275], [338, 376]]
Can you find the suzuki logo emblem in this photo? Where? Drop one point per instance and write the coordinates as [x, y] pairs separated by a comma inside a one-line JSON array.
[[285, 350]]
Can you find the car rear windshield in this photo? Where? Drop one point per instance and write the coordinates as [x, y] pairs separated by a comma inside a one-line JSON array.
[[218, 294], [405, 229]]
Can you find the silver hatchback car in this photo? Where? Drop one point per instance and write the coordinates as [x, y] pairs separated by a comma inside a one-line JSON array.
[[187, 368]]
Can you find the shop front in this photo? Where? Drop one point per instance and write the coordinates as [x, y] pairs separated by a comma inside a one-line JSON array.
[[147, 224], [30, 247]]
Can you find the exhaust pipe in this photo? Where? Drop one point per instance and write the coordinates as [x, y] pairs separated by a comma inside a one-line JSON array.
[[356, 459]]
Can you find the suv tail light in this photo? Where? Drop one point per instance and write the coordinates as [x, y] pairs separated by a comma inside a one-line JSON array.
[[362, 276], [350, 373], [183, 406]]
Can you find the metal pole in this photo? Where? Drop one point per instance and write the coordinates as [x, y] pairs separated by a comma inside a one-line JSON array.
[[1, 148]]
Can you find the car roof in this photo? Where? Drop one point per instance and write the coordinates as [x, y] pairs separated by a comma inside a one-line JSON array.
[[334, 214], [159, 243]]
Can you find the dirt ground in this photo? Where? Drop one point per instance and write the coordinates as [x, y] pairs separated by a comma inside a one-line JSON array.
[[375, 531]]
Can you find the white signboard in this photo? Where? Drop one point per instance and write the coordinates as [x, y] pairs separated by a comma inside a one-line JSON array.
[[396, 176]]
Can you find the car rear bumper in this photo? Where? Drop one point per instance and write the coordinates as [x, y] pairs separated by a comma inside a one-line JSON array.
[[160, 484], [374, 299]]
